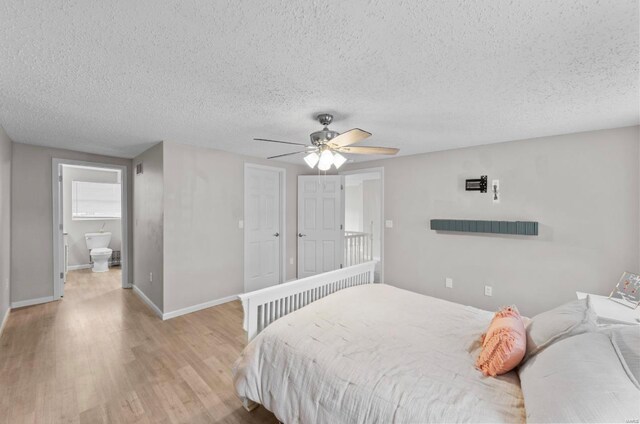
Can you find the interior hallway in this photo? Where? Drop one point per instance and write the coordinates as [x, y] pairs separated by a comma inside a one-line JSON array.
[[100, 355]]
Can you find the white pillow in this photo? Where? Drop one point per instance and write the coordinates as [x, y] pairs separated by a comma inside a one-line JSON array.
[[611, 312], [578, 379], [626, 342], [569, 319]]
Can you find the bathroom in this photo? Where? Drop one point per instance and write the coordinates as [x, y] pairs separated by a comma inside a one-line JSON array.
[[92, 225]]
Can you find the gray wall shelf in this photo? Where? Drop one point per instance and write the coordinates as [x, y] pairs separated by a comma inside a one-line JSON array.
[[523, 228]]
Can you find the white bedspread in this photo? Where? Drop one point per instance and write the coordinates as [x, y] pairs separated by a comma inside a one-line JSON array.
[[376, 354]]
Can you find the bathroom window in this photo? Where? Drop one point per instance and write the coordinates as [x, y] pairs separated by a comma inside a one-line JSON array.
[[95, 200]]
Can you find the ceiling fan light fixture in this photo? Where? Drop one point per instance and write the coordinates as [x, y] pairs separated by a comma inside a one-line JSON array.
[[326, 143], [326, 160], [312, 159], [338, 160]]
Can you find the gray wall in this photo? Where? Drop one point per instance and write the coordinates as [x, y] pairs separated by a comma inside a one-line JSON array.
[[5, 222], [583, 189], [31, 212], [203, 246], [76, 229], [148, 224]]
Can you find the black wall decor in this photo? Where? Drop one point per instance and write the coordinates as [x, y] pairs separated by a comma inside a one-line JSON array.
[[523, 228], [479, 184]]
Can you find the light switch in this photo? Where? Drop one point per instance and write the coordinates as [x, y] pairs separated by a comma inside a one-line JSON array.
[[488, 291], [495, 191], [290, 261], [448, 283], [241, 224], [388, 223]]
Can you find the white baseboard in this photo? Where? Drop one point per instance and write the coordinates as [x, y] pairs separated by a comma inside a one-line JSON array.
[[4, 321], [76, 267], [29, 302], [182, 311], [146, 300], [194, 308]]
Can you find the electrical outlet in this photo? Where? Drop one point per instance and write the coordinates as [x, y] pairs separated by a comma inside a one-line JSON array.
[[241, 224], [388, 223], [151, 277], [448, 283], [488, 291], [290, 261]]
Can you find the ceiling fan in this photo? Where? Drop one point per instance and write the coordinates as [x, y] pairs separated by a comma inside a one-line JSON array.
[[326, 146]]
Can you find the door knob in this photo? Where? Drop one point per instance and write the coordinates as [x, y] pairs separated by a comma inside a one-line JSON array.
[[301, 235], [276, 235]]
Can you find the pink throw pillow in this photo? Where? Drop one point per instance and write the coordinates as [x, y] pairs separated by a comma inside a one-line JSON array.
[[504, 344]]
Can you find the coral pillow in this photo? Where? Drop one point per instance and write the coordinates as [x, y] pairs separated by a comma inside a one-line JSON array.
[[504, 344]]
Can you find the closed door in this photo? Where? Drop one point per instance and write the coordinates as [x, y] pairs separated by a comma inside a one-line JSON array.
[[263, 218], [320, 224]]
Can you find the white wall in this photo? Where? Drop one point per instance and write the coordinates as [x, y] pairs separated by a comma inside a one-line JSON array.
[[148, 225], [31, 217], [76, 229], [5, 223], [371, 208], [362, 206], [353, 213], [582, 188], [203, 246]]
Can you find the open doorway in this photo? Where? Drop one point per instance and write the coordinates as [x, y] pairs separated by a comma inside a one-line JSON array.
[[364, 217], [90, 216]]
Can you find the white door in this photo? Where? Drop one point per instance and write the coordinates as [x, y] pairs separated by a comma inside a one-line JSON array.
[[320, 224], [263, 217]]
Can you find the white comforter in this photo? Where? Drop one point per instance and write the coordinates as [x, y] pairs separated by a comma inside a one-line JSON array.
[[376, 354]]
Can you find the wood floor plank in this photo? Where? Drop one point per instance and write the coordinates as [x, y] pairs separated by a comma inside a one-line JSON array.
[[207, 397], [101, 356]]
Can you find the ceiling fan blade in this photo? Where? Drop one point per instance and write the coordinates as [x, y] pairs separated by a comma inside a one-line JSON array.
[[278, 141], [367, 150], [287, 154], [349, 137]]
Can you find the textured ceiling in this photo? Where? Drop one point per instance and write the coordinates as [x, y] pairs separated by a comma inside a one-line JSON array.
[[114, 77]]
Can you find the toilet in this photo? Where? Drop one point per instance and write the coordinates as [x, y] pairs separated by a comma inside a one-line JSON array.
[[100, 253]]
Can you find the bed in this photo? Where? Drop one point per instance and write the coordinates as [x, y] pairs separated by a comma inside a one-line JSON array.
[[337, 348]]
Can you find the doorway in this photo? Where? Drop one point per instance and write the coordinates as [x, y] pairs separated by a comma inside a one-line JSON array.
[[90, 237], [264, 226], [364, 218]]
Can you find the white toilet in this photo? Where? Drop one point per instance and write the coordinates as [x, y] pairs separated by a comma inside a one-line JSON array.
[[100, 253]]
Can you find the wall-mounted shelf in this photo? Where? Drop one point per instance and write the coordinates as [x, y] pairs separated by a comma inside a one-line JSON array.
[[523, 228]]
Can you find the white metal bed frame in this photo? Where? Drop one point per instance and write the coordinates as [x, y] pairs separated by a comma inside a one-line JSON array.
[[262, 307]]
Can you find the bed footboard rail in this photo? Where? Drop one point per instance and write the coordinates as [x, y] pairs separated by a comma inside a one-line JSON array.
[[262, 307]]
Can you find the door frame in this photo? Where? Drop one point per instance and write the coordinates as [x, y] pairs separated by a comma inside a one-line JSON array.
[[379, 169], [282, 173], [58, 238]]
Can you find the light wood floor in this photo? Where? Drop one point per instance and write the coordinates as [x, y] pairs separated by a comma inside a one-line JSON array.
[[100, 355]]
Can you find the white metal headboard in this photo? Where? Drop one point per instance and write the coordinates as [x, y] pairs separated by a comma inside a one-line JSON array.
[[262, 307]]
